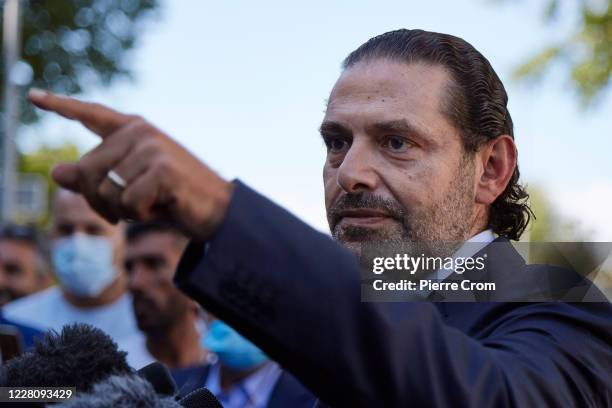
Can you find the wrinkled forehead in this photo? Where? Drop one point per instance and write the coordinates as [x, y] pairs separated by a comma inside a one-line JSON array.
[[415, 91]]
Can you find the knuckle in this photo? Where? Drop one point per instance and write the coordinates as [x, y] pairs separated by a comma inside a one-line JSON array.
[[148, 147], [126, 202], [141, 124], [143, 213], [136, 120], [86, 159], [103, 190], [132, 207], [137, 126], [163, 166]]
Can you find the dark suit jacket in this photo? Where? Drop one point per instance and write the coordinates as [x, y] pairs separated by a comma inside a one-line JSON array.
[[287, 392], [296, 294]]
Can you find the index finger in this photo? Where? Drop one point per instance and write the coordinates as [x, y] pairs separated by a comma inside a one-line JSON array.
[[97, 118]]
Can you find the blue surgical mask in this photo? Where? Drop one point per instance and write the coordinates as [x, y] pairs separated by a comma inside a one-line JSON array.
[[84, 264], [232, 349]]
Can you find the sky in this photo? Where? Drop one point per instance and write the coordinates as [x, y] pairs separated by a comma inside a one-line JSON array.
[[243, 86]]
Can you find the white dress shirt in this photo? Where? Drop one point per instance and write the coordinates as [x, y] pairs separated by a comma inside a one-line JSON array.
[[253, 391]]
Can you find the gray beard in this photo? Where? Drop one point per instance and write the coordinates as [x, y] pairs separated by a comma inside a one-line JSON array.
[[437, 230]]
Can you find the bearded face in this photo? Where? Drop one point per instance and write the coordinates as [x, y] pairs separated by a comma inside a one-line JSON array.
[[396, 169]]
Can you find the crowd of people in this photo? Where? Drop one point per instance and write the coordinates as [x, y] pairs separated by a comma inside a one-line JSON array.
[[119, 278]]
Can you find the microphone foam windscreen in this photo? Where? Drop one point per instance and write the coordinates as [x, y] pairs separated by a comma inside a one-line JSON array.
[[200, 398], [79, 355], [121, 391]]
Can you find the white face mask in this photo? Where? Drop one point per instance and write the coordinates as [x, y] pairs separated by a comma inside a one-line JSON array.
[[84, 264]]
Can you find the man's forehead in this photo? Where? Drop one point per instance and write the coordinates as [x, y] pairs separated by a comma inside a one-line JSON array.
[[386, 84], [153, 238], [157, 242], [10, 245], [69, 207]]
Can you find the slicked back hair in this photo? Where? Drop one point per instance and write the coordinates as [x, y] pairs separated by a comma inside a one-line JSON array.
[[476, 104]]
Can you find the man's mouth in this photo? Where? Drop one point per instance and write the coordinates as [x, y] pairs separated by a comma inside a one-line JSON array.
[[364, 217], [142, 306]]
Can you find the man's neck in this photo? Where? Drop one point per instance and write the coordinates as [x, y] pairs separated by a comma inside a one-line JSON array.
[[109, 295], [177, 346]]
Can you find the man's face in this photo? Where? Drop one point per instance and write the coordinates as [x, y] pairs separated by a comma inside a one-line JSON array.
[[19, 275], [72, 215], [150, 261], [396, 170]]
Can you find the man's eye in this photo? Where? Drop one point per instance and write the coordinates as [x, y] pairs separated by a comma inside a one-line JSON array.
[[13, 269], [153, 263], [64, 230], [336, 144], [397, 144], [128, 266]]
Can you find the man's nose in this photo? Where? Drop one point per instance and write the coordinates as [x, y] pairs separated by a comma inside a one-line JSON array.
[[357, 171], [137, 278]]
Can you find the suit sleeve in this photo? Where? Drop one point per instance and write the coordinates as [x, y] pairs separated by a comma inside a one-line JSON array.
[[296, 294]]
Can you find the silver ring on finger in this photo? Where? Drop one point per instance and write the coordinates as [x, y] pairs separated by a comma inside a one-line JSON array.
[[116, 180]]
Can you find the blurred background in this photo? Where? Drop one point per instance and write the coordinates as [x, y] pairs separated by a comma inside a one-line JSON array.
[[243, 85]]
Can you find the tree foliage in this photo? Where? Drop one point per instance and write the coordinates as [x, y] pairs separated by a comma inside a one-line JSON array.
[[549, 225], [69, 46], [586, 54], [42, 160]]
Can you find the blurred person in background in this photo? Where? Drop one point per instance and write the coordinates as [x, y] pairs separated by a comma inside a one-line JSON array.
[[24, 262], [243, 376], [87, 256], [170, 321], [24, 269]]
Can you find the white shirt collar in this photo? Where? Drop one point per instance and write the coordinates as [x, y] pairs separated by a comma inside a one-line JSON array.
[[485, 236], [468, 249], [473, 245], [258, 387]]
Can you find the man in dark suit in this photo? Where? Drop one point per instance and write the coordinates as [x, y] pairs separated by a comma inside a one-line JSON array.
[[420, 148], [243, 376]]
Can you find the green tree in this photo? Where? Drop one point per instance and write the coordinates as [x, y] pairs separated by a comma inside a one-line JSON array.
[[586, 54], [558, 240], [549, 225], [69, 46]]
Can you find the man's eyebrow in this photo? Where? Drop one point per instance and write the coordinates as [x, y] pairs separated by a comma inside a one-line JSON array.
[[400, 126], [329, 126]]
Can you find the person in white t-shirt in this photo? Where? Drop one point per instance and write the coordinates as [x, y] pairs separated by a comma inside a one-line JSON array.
[[87, 255]]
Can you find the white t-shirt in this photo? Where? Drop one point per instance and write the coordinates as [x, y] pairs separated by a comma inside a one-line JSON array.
[[49, 309]]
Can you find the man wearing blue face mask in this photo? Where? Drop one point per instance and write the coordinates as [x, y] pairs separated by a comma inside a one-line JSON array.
[[87, 256], [245, 377]]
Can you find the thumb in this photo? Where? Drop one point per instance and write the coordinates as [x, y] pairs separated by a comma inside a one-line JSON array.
[[67, 176]]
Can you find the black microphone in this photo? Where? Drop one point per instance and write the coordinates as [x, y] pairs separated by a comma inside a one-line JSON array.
[[78, 356], [200, 398], [121, 391], [159, 377]]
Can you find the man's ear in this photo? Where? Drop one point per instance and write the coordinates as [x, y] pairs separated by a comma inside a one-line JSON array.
[[498, 158]]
